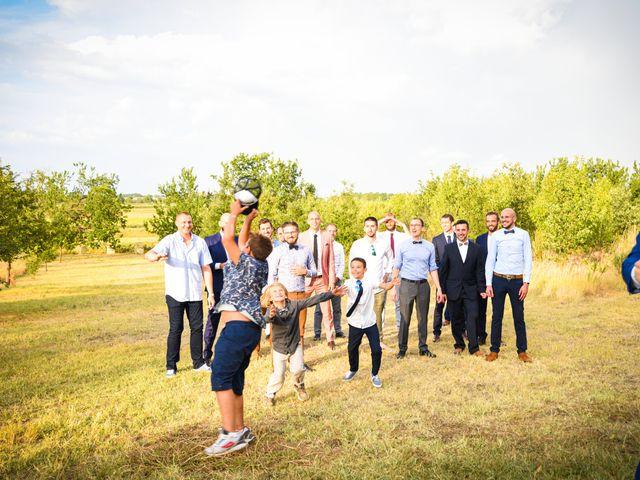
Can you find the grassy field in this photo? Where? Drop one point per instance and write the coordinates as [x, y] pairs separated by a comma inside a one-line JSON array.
[[84, 395]]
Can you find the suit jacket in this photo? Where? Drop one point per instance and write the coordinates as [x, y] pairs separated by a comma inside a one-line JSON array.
[[325, 255], [483, 243], [458, 278], [628, 264], [218, 255], [439, 242]]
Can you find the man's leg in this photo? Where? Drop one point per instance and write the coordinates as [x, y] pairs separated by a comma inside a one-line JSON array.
[[481, 324], [397, 308], [500, 286], [194, 314], [406, 309], [317, 323], [457, 322], [437, 319], [303, 313], [336, 307], [379, 299], [517, 308], [471, 320], [423, 292], [210, 332], [176, 326]]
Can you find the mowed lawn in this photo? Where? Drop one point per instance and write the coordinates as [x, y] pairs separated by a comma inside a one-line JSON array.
[[83, 393]]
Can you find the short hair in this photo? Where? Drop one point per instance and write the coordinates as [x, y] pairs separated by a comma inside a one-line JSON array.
[[359, 259], [371, 219], [495, 214], [418, 218], [328, 224], [447, 215], [265, 298], [183, 213], [461, 222], [265, 220], [260, 246], [290, 223]]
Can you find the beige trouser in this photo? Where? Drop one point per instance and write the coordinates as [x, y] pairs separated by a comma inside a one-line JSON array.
[[379, 299], [317, 286], [296, 366]]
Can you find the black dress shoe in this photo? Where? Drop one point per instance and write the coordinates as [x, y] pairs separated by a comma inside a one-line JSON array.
[[316, 338], [427, 353], [339, 335], [400, 355]]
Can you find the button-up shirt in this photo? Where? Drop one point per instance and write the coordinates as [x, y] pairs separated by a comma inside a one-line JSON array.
[[283, 259], [183, 267], [463, 248], [398, 238], [363, 316], [338, 255], [377, 265], [415, 259], [509, 254]]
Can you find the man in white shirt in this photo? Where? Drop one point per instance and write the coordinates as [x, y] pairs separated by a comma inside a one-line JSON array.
[[187, 260], [395, 239], [377, 254], [336, 305]]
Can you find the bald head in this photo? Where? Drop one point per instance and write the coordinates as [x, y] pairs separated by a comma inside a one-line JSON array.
[[224, 218], [313, 219], [508, 218]]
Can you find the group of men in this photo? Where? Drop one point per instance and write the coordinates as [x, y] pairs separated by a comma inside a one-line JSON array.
[[465, 274]]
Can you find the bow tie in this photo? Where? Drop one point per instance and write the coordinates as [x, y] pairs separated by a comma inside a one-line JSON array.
[[462, 244], [293, 247], [417, 241], [506, 232]]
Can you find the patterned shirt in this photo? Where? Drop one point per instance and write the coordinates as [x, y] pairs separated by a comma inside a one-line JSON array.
[[243, 284], [283, 259]]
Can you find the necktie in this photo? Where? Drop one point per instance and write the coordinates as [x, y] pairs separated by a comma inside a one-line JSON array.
[[393, 246], [315, 248], [358, 296], [462, 244], [449, 238], [506, 232], [417, 241]]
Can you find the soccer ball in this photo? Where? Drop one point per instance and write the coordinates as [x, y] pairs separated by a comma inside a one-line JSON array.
[[248, 191]]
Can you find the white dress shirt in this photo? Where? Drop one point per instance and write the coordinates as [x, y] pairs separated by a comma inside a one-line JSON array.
[[338, 255], [377, 265], [463, 247], [398, 238], [363, 316]]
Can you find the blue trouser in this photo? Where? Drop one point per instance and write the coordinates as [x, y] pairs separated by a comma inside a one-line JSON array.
[[355, 338], [501, 288], [211, 330]]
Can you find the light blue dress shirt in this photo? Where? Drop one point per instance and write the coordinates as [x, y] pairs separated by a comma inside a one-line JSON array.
[[509, 254], [415, 260], [283, 259]]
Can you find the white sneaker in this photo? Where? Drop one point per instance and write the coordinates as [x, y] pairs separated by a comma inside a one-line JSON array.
[[375, 380], [228, 442], [349, 376], [202, 368], [170, 373]]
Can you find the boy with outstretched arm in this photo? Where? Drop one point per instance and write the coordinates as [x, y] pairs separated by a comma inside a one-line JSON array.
[[362, 319], [245, 275]]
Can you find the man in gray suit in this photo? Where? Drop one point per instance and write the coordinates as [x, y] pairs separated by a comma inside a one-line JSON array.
[[439, 241]]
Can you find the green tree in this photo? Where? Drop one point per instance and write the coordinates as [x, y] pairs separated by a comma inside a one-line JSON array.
[[179, 195]]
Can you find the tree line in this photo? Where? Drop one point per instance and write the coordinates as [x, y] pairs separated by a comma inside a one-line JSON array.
[[570, 206]]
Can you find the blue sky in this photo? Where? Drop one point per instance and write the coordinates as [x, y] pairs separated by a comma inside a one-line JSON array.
[[379, 93]]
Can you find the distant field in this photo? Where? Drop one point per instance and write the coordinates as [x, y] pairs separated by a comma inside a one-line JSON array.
[[135, 232], [83, 393]]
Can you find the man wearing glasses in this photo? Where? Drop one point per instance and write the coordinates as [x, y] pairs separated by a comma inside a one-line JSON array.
[[377, 253]]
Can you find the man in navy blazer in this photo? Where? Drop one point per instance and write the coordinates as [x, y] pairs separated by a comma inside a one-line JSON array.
[[463, 281], [491, 221], [219, 258], [631, 268], [439, 241]]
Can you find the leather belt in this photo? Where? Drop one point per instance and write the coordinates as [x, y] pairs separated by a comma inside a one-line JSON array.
[[509, 277], [413, 281]]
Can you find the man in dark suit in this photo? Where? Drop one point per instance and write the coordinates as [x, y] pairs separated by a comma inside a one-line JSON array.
[[463, 280], [491, 221], [219, 258], [439, 241], [631, 268]]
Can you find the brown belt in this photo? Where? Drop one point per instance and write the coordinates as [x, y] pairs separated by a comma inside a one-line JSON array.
[[509, 277]]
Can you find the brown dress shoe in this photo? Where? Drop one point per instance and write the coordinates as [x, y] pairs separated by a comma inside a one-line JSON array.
[[478, 354], [491, 357], [524, 357], [457, 351], [436, 338], [445, 323]]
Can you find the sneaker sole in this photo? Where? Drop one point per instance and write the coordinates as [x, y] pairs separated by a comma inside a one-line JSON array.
[[238, 446]]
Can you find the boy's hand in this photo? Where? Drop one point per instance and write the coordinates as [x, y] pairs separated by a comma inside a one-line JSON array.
[[340, 291], [252, 214], [272, 311], [235, 208]]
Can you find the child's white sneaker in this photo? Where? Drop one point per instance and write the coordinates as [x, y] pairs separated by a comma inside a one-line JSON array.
[[227, 443]]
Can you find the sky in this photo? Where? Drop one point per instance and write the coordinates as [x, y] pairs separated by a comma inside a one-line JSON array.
[[377, 93]]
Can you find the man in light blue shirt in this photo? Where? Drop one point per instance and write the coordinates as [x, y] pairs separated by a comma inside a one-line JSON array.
[[415, 259], [186, 258], [508, 272]]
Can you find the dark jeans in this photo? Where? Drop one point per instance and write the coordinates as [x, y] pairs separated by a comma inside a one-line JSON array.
[[176, 326], [437, 317], [336, 305], [355, 338], [464, 313], [211, 330], [481, 324], [411, 293], [501, 288]]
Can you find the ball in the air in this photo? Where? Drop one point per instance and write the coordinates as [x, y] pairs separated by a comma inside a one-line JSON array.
[[247, 190]]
